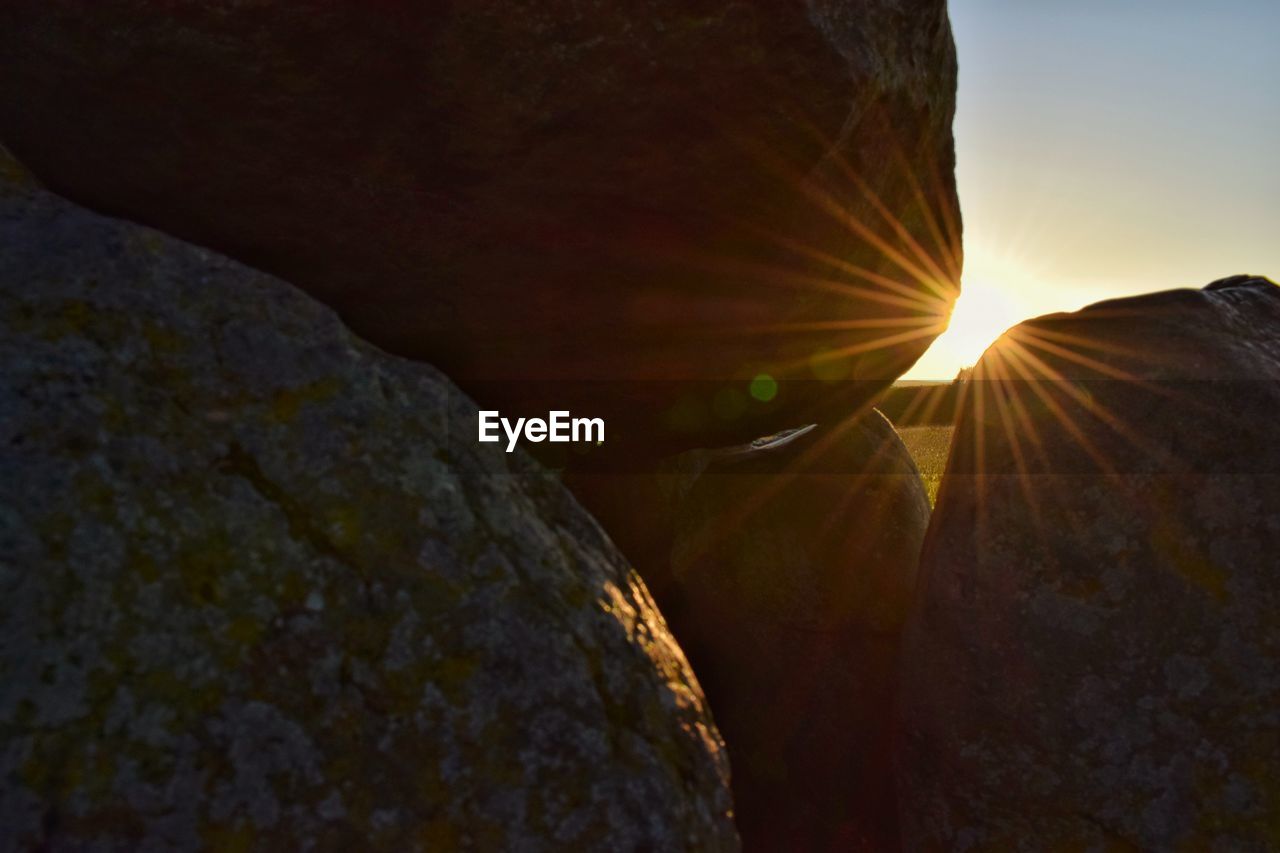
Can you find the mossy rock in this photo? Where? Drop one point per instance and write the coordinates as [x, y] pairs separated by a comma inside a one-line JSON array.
[[262, 590]]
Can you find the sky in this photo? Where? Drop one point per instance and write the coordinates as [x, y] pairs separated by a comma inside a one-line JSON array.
[[1107, 148]]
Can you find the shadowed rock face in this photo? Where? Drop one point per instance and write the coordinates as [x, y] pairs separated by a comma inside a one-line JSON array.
[[254, 598], [530, 194], [786, 571], [1095, 653]]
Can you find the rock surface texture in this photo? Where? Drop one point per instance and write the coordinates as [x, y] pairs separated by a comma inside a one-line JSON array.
[[254, 598], [787, 578], [535, 193], [1094, 662]]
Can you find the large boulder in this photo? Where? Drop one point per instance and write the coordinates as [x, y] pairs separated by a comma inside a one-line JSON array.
[[259, 594], [1094, 661], [531, 194], [785, 568]]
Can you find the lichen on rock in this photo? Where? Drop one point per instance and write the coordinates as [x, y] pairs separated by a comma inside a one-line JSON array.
[[256, 597]]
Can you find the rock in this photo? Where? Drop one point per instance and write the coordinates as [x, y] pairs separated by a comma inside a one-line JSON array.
[[560, 203], [14, 177], [1094, 659], [255, 597], [788, 577]]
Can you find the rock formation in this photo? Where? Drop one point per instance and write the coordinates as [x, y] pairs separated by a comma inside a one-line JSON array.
[[561, 203], [1094, 659], [786, 577], [254, 597]]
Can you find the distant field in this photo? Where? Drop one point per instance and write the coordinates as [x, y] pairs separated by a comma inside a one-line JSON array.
[[928, 446], [917, 404]]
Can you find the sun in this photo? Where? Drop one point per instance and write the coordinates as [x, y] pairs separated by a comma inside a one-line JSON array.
[[982, 313], [988, 305]]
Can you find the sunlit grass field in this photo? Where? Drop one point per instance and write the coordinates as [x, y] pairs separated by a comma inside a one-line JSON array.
[[928, 446]]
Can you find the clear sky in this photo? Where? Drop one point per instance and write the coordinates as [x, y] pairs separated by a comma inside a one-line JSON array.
[[1109, 147]]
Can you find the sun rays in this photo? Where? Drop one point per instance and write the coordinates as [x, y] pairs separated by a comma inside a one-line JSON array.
[[901, 289], [911, 285], [895, 277], [1044, 401]]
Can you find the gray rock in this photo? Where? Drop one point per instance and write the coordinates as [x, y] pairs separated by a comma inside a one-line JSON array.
[[786, 577], [1094, 660], [528, 194], [255, 597]]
